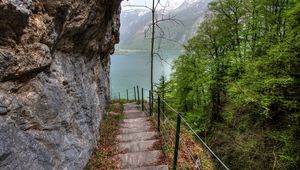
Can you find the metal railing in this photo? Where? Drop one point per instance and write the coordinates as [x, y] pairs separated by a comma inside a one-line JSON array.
[[160, 114]]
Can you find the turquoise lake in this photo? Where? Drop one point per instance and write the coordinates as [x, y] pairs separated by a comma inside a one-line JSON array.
[[133, 68]]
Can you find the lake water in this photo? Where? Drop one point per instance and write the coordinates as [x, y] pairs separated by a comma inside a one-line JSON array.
[[131, 69]]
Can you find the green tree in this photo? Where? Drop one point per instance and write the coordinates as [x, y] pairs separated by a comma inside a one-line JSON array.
[[240, 75]]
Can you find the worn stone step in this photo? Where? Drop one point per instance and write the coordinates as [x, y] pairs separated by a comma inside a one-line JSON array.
[[139, 159], [137, 146], [134, 114], [158, 167], [139, 120], [140, 136], [135, 124], [131, 110], [137, 140], [130, 105], [135, 129]]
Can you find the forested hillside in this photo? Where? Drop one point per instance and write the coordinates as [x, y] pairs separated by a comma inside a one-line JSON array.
[[239, 82]]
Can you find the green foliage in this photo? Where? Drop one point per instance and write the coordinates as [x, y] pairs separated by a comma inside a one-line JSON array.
[[239, 80]]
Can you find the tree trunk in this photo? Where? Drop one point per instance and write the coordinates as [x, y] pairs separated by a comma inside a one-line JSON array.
[[152, 47]]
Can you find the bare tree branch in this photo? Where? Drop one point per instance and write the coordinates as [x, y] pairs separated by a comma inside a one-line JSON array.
[[172, 19], [160, 34], [138, 6], [157, 3], [162, 59], [161, 31], [168, 39]]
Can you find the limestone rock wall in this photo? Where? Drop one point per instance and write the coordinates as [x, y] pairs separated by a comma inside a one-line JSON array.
[[54, 80]]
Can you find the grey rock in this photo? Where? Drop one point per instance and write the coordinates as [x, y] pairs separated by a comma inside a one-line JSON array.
[[3, 110], [19, 148], [14, 15], [54, 80]]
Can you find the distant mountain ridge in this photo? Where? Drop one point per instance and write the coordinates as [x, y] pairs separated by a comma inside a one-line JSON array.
[[134, 23]]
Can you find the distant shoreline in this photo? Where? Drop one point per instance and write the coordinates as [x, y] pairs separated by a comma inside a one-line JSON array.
[[128, 51]]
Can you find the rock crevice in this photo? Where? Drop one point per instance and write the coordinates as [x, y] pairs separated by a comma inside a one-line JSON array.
[[54, 80]]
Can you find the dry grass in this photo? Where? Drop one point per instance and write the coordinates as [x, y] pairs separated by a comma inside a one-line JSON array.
[[191, 154]]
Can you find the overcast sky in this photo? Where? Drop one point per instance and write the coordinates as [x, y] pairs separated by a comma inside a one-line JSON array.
[[171, 3]]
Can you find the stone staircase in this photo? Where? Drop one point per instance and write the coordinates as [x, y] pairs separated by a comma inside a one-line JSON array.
[[136, 142]]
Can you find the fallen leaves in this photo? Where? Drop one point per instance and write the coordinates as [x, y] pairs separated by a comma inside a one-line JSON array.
[[104, 156]]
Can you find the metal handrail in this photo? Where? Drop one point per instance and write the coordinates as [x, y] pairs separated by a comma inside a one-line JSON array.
[[202, 141]]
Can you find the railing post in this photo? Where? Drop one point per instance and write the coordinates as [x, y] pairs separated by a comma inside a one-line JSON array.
[[138, 94], [158, 113], [142, 99], [150, 107], [152, 102], [119, 97], [177, 141], [134, 94], [127, 95]]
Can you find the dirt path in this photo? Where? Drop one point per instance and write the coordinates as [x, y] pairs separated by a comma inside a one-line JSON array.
[[137, 140]]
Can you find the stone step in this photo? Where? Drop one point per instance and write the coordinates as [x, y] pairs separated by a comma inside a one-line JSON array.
[[134, 114], [158, 167], [139, 120], [130, 105], [137, 139], [134, 108], [135, 124], [131, 110], [136, 146], [135, 129], [140, 136], [139, 159]]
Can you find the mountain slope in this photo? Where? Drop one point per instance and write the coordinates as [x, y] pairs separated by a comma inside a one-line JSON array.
[[135, 22]]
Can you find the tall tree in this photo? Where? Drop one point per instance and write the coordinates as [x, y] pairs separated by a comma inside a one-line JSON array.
[[157, 33], [152, 45]]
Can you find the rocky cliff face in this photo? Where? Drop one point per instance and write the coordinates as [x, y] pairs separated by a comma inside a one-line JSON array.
[[54, 80]]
